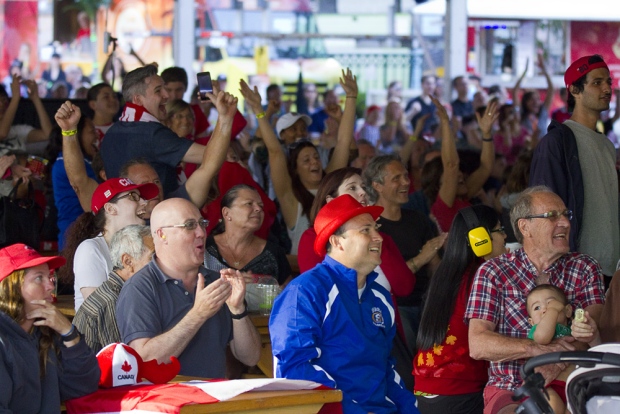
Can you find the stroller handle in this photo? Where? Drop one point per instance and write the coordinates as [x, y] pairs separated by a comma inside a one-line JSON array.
[[583, 358]]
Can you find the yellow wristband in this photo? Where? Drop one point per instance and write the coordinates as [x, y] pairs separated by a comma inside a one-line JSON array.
[[69, 133], [260, 115], [413, 138]]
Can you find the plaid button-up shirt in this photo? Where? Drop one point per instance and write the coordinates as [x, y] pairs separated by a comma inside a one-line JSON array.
[[500, 289]]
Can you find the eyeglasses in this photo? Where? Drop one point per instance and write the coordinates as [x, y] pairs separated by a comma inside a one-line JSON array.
[[190, 225], [552, 215], [133, 196], [500, 230]]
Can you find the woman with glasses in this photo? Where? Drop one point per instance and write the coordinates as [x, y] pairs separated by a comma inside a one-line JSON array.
[[233, 243], [116, 203], [43, 358], [296, 179], [447, 379]]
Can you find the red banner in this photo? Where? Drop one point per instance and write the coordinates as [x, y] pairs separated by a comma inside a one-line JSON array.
[[19, 36], [602, 38]]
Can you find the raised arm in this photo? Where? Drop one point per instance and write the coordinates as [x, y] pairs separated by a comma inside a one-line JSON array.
[[11, 110], [449, 157], [476, 179], [340, 157], [42, 134], [282, 183], [407, 149], [516, 99], [543, 69], [67, 117], [214, 154]]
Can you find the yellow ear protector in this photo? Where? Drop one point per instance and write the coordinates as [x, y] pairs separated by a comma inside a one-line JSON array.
[[478, 237]]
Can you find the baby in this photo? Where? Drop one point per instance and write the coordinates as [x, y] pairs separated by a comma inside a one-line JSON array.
[[549, 312]]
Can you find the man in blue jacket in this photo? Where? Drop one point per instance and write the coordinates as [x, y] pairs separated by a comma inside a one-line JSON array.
[[335, 324]]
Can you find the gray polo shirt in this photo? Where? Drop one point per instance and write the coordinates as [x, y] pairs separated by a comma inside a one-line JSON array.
[[152, 303]]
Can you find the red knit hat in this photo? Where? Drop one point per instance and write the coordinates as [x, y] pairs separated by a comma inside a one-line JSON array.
[[580, 68], [108, 189], [120, 364], [334, 214], [20, 256]]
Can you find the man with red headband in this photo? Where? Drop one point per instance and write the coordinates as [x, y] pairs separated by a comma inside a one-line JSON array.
[[579, 163], [334, 324]]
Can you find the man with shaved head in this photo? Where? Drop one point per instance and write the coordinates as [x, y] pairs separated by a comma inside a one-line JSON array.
[[176, 307]]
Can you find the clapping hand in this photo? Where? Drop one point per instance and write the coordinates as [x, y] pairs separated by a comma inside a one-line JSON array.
[[237, 282]]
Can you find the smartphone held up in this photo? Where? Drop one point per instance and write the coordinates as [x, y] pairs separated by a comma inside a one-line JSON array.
[[204, 84]]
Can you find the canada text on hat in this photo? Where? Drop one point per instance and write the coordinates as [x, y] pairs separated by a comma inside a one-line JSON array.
[[110, 188], [582, 67], [120, 364], [20, 256], [334, 214], [287, 120]]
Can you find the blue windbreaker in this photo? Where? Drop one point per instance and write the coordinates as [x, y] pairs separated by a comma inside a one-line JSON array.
[[322, 331]]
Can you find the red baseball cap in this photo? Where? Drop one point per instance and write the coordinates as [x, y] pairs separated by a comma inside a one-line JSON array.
[[580, 68], [20, 256], [120, 364], [334, 214], [110, 188]]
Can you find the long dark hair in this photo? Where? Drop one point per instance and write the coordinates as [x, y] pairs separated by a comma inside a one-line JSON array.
[[300, 192], [457, 266], [329, 187]]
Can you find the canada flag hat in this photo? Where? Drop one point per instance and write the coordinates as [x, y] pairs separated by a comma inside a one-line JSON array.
[[120, 364]]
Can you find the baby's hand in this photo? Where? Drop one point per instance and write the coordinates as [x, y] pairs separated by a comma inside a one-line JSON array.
[[586, 330]]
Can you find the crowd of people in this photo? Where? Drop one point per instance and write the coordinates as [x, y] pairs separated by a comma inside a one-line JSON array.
[[423, 253]]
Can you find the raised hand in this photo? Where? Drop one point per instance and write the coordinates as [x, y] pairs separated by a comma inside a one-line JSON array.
[[487, 121], [68, 116], [441, 111], [349, 83], [33, 89], [210, 299], [15, 86], [225, 103], [251, 96]]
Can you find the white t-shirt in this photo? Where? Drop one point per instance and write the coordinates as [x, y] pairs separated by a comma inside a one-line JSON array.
[[16, 139], [91, 266]]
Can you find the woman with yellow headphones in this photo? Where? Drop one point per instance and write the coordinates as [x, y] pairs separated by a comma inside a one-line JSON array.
[[447, 379]]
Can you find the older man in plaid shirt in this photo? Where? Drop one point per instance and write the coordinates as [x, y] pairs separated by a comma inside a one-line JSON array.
[[498, 319]]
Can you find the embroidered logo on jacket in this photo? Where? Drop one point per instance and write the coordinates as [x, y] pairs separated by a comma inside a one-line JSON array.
[[377, 318]]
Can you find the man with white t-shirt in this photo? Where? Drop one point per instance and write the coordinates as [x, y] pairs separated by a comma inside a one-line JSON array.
[[561, 157]]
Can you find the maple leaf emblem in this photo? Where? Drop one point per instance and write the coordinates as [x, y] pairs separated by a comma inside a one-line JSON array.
[[451, 340], [437, 349], [430, 361], [126, 367]]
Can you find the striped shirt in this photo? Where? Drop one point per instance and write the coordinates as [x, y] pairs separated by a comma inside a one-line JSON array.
[[499, 293], [96, 318]]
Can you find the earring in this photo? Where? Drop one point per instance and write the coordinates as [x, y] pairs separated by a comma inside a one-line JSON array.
[[163, 237], [229, 219]]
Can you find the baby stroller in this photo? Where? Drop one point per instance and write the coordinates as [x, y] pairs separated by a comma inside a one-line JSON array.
[[594, 387]]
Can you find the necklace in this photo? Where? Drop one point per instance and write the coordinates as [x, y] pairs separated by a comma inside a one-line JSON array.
[[236, 263]]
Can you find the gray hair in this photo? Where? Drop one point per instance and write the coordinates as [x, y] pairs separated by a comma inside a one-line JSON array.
[[135, 82], [375, 173], [523, 207], [128, 240]]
